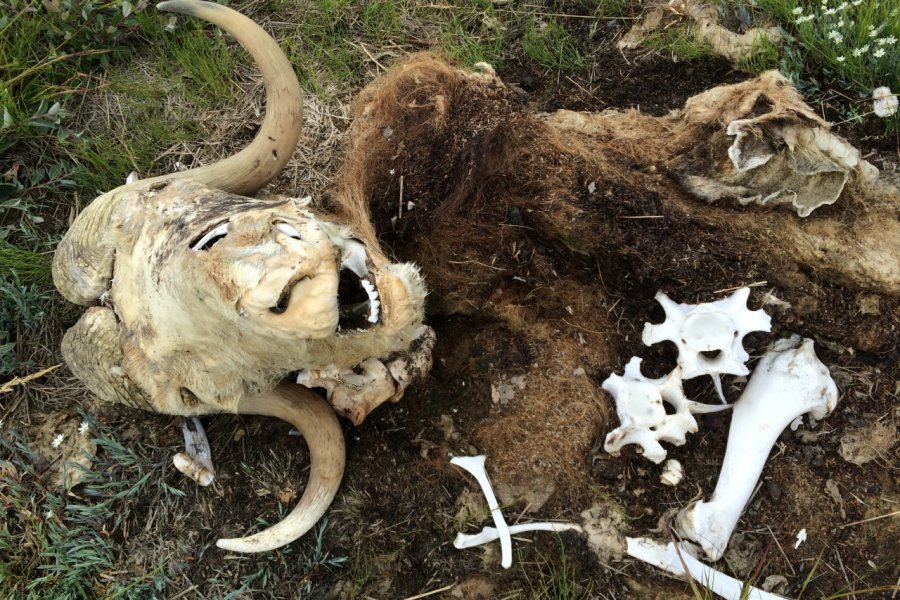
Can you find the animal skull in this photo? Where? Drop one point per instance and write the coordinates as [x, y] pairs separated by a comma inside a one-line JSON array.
[[202, 300]]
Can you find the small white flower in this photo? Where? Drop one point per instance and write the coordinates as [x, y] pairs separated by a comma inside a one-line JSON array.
[[878, 53], [840, 59], [840, 22], [49, 515], [83, 428], [843, 6], [885, 102], [835, 35], [58, 440], [873, 33], [856, 2], [860, 51], [886, 41], [798, 10], [830, 11], [804, 19]]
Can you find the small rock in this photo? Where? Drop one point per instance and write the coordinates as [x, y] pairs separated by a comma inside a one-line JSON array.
[[774, 490], [814, 455]]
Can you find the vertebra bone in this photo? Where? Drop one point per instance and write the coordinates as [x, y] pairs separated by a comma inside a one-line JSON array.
[[643, 418], [711, 327]]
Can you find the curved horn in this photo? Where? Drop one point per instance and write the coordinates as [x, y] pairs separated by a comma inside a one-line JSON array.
[[83, 263], [311, 414], [265, 157]]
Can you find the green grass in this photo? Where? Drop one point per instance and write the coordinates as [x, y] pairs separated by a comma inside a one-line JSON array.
[[470, 44], [56, 545], [556, 578], [548, 43], [678, 41], [854, 45]]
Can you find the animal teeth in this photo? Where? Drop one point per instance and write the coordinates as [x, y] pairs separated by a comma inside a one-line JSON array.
[[373, 315], [355, 258], [374, 304]]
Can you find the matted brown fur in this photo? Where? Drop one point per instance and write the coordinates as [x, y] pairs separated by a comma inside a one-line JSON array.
[[550, 230]]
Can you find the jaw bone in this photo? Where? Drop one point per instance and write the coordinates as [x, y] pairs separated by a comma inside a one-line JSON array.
[[788, 382]]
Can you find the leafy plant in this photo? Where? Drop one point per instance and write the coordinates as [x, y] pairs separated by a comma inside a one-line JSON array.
[[854, 43]]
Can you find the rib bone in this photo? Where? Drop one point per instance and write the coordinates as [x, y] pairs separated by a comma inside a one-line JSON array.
[[475, 466], [788, 382]]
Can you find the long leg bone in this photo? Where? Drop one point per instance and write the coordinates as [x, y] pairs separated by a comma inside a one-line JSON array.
[[475, 466], [788, 382], [196, 462]]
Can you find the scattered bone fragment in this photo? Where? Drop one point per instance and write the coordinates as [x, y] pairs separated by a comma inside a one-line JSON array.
[[196, 461], [709, 336], [603, 525], [673, 559], [642, 415], [475, 466], [835, 493], [801, 537], [672, 472], [864, 444], [884, 102], [788, 381]]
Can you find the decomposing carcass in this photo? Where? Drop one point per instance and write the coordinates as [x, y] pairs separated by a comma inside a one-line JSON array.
[[203, 299]]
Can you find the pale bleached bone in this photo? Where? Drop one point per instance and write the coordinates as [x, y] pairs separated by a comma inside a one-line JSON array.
[[489, 534], [669, 558], [789, 381], [642, 416], [718, 326], [475, 466], [196, 462], [672, 473]]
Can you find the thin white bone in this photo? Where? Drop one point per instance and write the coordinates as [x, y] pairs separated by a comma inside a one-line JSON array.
[[789, 381], [489, 534], [475, 466], [718, 326], [642, 416], [669, 559]]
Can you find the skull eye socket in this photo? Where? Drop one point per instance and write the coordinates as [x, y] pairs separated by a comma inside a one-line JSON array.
[[209, 239], [288, 230]]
